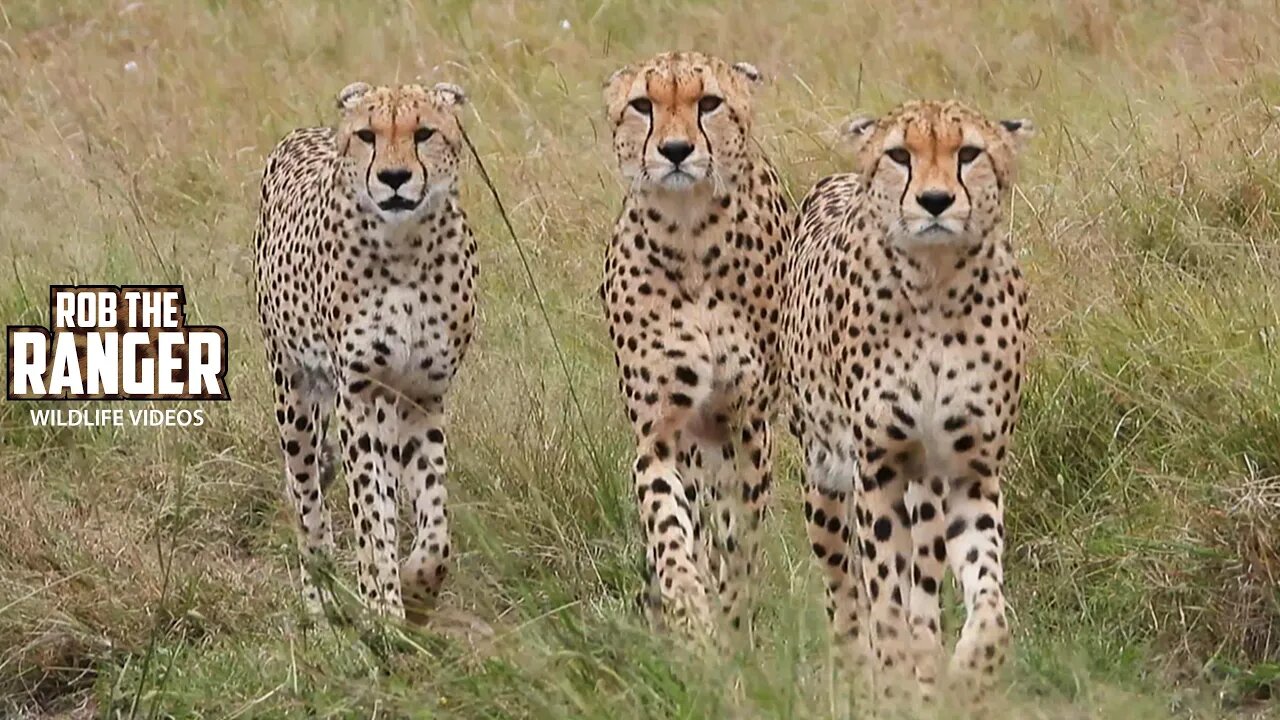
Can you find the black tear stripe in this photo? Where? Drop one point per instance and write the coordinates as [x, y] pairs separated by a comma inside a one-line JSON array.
[[416, 156], [705, 138], [644, 149], [426, 187], [711, 156], [960, 179], [369, 170], [902, 200]]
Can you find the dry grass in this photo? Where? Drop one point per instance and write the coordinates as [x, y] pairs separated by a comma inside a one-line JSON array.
[[144, 570]]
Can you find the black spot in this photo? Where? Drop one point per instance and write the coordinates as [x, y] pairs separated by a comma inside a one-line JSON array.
[[980, 467], [686, 375], [885, 475], [883, 529]]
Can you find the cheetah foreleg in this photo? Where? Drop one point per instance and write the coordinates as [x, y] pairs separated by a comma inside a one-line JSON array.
[[829, 524], [423, 467], [367, 422], [925, 503], [886, 542], [673, 539], [743, 498], [300, 415], [975, 548]]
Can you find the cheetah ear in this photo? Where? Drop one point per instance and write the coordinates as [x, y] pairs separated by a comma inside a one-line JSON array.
[[858, 126], [858, 130], [351, 94], [1019, 131], [448, 95], [615, 89], [749, 71], [626, 71]]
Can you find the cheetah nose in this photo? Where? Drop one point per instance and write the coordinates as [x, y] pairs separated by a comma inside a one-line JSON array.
[[394, 178], [675, 150], [935, 201]]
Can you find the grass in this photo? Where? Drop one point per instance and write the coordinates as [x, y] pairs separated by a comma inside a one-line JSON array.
[[150, 572]]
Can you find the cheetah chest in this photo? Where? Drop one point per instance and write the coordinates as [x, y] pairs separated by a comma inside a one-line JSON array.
[[701, 297], [409, 329], [946, 382]]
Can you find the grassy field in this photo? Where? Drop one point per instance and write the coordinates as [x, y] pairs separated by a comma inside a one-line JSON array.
[[151, 572]]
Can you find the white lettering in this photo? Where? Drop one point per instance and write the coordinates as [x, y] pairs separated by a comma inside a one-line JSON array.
[[64, 309], [204, 361], [102, 364], [139, 372], [65, 374], [30, 355], [169, 364]]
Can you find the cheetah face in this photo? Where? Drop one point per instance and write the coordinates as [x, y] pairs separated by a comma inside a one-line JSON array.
[[680, 120], [937, 171], [400, 145]]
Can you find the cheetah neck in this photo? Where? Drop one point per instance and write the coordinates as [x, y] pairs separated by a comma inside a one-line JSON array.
[[931, 276], [687, 212], [420, 231], [677, 212]]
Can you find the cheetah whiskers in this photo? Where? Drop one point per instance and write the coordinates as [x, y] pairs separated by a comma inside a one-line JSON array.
[[718, 184]]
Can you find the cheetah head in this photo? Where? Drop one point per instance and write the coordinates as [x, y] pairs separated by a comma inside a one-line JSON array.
[[937, 171], [680, 119], [400, 145]]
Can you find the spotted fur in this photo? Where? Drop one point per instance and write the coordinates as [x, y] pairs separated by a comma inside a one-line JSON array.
[[364, 282], [905, 335], [692, 299]]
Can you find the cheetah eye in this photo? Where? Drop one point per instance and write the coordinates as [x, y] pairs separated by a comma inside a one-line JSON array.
[[423, 134], [365, 135], [968, 154], [709, 103], [899, 155], [642, 105]]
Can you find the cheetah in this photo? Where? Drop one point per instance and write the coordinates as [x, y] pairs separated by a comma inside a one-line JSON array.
[[905, 337], [692, 300], [365, 268]]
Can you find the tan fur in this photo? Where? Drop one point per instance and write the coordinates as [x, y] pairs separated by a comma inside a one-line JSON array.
[[905, 336], [365, 298], [691, 294]]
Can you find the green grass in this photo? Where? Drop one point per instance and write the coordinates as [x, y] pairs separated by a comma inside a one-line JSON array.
[[151, 572]]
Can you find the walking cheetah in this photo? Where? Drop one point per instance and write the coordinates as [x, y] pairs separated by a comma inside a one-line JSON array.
[[364, 283], [692, 299], [905, 334]]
